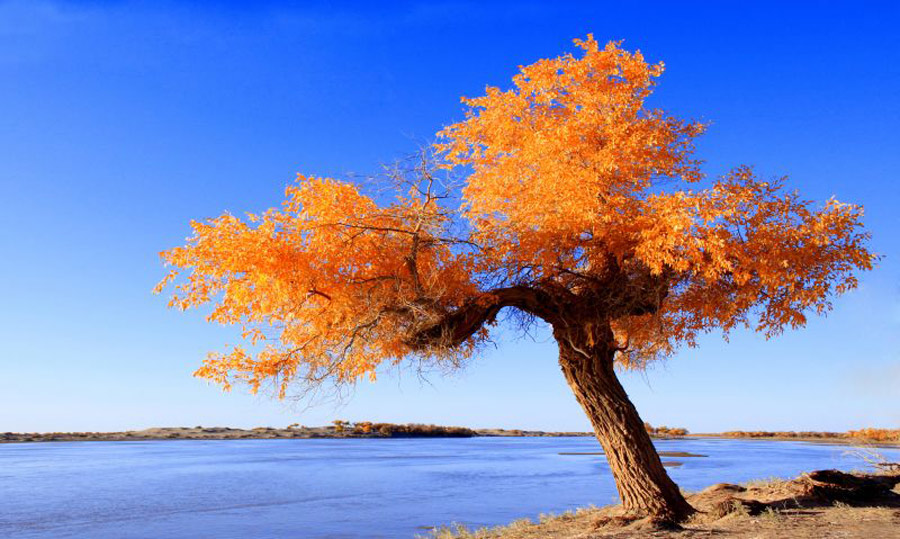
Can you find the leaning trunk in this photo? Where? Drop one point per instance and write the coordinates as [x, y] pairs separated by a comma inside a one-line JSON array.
[[644, 486]]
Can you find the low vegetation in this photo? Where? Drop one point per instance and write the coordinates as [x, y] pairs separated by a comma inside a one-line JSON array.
[[664, 431], [875, 435], [421, 431], [862, 435], [781, 434]]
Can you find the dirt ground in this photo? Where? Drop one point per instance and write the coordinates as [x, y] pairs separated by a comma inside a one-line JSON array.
[[824, 504]]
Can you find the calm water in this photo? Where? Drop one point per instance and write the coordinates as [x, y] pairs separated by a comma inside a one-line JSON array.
[[339, 488]]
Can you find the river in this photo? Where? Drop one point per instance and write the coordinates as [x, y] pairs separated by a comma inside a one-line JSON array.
[[320, 488]]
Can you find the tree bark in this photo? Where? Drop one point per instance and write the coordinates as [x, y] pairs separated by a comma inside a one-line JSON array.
[[643, 484]]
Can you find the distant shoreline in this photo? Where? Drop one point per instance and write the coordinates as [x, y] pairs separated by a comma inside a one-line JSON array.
[[385, 430], [378, 430], [816, 438]]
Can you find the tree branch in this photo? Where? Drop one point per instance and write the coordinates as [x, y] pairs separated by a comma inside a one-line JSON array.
[[455, 327]]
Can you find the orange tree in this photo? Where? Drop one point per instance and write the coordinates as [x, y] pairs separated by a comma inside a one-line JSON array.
[[579, 206]]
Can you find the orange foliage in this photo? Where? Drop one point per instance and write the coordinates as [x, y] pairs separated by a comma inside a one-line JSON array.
[[877, 435], [783, 434], [867, 434], [567, 167], [323, 287], [664, 431], [575, 189]]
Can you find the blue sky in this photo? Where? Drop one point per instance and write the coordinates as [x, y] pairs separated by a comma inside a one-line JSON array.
[[121, 121]]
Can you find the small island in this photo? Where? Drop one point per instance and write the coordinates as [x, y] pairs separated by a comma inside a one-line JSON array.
[[338, 430]]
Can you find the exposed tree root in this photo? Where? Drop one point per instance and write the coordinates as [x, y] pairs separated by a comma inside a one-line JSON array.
[[821, 488], [814, 489]]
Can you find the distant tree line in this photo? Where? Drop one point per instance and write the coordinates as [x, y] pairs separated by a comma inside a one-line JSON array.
[[392, 430], [866, 434]]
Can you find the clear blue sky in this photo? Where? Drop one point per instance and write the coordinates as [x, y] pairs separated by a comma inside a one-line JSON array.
[[121, 121]]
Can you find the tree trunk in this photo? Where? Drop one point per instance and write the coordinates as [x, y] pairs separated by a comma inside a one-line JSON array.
[[644, 486]]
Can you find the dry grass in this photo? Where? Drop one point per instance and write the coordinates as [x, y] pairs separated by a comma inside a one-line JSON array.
[[763, 482], [833, 522]]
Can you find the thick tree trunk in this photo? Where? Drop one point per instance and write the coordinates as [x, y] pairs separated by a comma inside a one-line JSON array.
[[644, 486]]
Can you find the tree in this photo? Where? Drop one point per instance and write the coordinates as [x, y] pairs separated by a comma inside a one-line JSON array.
[[579, 207]]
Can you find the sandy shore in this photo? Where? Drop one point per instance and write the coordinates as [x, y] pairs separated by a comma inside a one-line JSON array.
[[825, 504]]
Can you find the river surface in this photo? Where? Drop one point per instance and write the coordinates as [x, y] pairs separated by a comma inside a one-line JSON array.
[[391, 488]]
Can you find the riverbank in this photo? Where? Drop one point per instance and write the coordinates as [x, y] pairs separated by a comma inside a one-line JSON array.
[[408, 430], [369, 430], [820, 504], [837, 438]]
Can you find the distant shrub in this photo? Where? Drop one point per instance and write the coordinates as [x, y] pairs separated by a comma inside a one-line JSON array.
[[783, 434], [875, 435], [413, 430], [664, 431]]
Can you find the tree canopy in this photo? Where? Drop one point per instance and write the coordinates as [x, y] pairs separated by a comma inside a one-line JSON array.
[[573, 190]]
